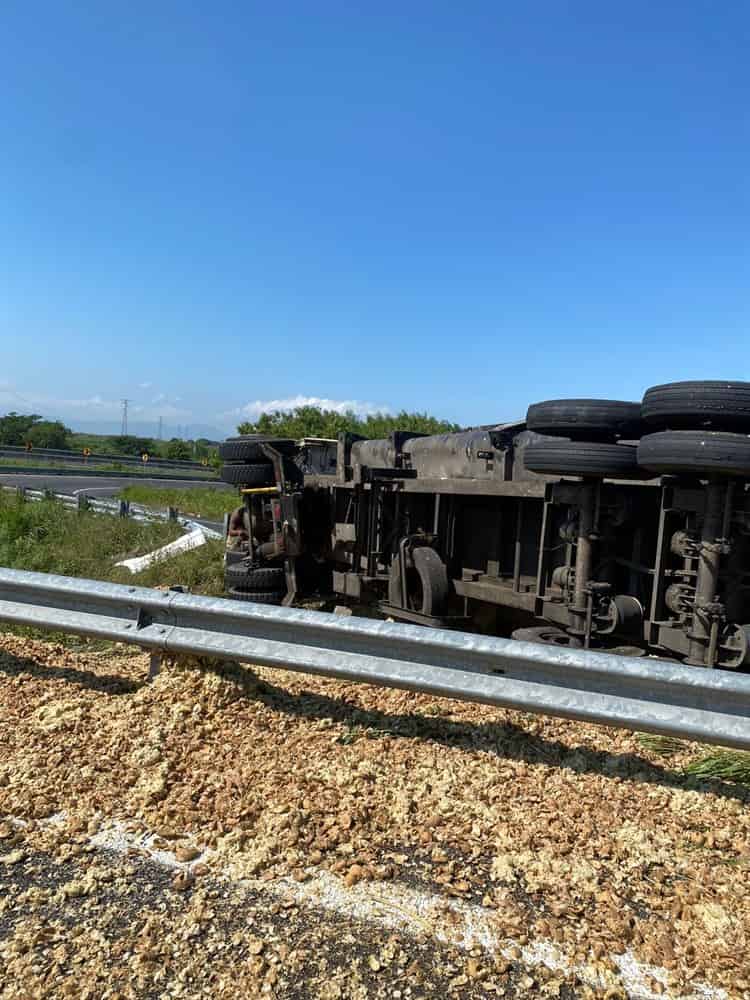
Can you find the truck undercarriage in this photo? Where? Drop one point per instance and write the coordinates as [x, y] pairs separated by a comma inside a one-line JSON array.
[[594, 524]]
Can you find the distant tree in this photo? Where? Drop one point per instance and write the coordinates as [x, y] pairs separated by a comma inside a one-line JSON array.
[[15, 427], [379, 425], [178, 449], [49, 434], [203, 448], [127, 444], [311, 421]]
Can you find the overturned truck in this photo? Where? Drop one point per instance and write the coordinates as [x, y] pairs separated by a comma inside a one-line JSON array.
[[593, 523]]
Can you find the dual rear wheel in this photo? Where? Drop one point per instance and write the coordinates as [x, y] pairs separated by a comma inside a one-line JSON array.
[[694, 428], [245, 461]]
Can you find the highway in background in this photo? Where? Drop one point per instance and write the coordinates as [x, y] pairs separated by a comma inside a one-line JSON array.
[[105, 487], [101, 486]]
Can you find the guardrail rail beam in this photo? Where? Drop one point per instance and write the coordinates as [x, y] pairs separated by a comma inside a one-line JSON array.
[[648, 694]]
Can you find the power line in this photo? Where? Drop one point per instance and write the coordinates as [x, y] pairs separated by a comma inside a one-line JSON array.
[[124, 428]]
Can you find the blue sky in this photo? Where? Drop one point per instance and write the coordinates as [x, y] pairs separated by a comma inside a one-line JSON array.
[[434, 206]]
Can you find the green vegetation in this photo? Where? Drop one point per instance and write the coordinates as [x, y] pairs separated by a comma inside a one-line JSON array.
[[199, 502], [49, 539], [311, 421], [710, 762], [201, 571], [664, 746], [129, 444], [46, 538], [179, 450], [19, 429], [731, 765]]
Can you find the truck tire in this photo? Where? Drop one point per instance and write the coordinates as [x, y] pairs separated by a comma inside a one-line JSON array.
[[548, 635], [241, 577], [246, 447], [702, 453], [718, 405], [246, 474], [426, 582], [582, 458], [258, 596], [586, 419]]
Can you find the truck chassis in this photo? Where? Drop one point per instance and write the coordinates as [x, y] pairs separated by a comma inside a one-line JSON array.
[[476, 530]]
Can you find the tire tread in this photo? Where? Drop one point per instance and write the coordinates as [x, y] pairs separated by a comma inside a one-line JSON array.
[[582, 458]]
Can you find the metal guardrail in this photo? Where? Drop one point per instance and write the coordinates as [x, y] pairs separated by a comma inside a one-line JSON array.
[[145, 472], [633, 693], [62, 454]]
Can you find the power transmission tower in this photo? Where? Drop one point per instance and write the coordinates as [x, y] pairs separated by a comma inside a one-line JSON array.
[[161, 426], [124, 428]]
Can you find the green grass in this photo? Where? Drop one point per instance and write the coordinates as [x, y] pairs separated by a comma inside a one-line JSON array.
[[664, 746], [730, 765], [706, 762], [199, 502], [46, 538], [201, 571]]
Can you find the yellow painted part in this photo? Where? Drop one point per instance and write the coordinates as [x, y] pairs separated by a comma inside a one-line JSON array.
[[262, 489]]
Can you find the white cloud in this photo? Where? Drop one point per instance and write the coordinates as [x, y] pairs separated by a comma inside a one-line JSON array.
[[145, 385], [252, 410]]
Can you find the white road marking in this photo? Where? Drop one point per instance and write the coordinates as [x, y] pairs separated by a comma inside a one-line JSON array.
[[396, 906], [409, 910]]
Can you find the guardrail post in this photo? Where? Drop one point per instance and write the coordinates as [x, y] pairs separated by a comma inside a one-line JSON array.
[[21, 494], [154, 666], [48, 494], [82, 502], [124, 508], [172, 513]]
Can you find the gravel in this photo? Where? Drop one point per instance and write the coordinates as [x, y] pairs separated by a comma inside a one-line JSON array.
[[590, 867]]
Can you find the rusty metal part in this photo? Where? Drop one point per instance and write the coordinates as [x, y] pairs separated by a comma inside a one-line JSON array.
[[579, 610], [679, 598], [624, 616], [702, 641], [683, 543]]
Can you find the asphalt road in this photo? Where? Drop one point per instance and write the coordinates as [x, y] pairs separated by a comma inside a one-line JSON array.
[[99, 486]]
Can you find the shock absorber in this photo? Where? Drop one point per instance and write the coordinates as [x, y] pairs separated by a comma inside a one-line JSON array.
[[579, 609], [707, 612]]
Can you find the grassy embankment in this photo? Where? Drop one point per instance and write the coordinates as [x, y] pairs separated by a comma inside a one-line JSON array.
[[46, 538], [212, 504]]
